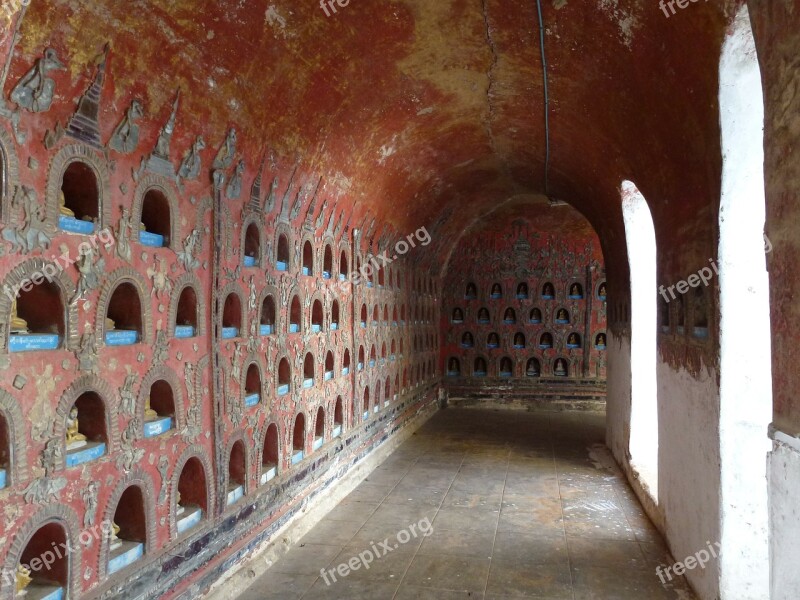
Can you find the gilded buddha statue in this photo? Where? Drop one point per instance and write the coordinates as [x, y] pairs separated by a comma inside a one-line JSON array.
[[18, 324], [75, 439], [62, 206], [24, 578], [149, 413]]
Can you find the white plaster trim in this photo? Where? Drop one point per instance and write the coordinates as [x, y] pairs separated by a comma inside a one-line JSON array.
[[779, 436]]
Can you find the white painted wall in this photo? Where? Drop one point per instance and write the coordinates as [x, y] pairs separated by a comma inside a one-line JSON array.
[[784, 485], [745, 352], [689, 468], [618, 401]]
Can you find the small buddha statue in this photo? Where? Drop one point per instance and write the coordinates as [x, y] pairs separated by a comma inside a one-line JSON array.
[[601, 340], [149, 413], [602, 291], [180, 509], [110, 324], [562, 315], [573, 339], [114, 541], [75, 439], [62, 206], [458, 315], [561, 368], [496, 291], [509, 316], [575, 290], [548, 290], [518, 341], [18, 324], [23, 578]]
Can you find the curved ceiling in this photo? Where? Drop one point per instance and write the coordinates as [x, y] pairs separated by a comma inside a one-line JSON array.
[[426, 112]]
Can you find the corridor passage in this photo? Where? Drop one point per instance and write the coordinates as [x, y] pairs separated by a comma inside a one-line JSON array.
[[514, 505]]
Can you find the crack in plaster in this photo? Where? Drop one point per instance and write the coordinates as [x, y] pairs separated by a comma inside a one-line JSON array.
[[490, 76]]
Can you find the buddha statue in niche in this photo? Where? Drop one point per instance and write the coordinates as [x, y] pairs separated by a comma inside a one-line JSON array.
[[547, 340], [23, 579], [75, 439], [601, 340], [114, 541], [458, 315], [494, 340], [548, 290], [509, 315], [453, 368], [575, 290], [532, 370], [467, 339], [483, 315], [18, 324], [62, 206], [519, 341], [522, 289], [562, 315], [560, 367], [149, 413], [505, 366], [602, 291], [472, 291], [110, 325], [573, 339], [496, 291], [179, 508], [536, 315]]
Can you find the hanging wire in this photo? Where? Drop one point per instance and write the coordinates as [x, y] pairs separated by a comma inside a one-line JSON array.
[[546, 102]]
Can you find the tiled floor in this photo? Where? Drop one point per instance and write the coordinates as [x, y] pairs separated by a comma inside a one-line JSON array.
[[520, 506]]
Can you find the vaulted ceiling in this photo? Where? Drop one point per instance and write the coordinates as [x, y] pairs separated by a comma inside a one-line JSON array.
[[426, 112]]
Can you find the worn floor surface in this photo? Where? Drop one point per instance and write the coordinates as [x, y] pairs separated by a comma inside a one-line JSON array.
[[519, 505]]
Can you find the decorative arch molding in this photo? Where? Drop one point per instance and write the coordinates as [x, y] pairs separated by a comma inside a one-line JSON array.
[[194, 451], [295, 290], [184, 281], [254, 219], [157, 373], [315, 253], [319, 295], [10, 410], [160, 184], [58, 165], [270, 290], [139, 478], [51, 513], [253, 359], [115, 279], [26, 271], [238, 436], [233, 288], [87, 383], [261, 436], [9, 171], [283, 229]]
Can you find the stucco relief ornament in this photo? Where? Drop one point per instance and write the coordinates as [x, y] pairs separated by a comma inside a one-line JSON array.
[[269, 203], [298, 204], [35, 90], [161, 349], [130, 455], [253, 299], [128, 404], [125, 138], [87, 350], [89, 495], [44, 490], [51, 456], [234, 189], [192, 163], [227, 152], [190, 247], [124, 228], [31, 230], [160, 277], [158, 162], [163, 468], [90, 271]]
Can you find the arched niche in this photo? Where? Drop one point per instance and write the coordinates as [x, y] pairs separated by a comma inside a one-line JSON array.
[[298, 438], [327, 262], [52, 524], [317, 316], [562, 316], [330, 368], [505, 367], [338, 417], [522, 291], [132, 507], [97, 418], [319, 430], [453, 367], [43, 294], [234, 315], [560, 367], [252, 383], [574, 340], [509, 316], [335, 315], [125, 299], [82, 174], [13, 443], [284, 379], [191, 500], [546, 340], [308, 370], [548, 291], [308, 258], [295, 320], [346, 362], [155, 207], [165, 390], [575, 291], [252, 243], [270, 454], [187, 309], [344, 271], [467, 340], [533, 368], [238, 468], [282, 251], [268, 317], [519, 340], [480, 367]]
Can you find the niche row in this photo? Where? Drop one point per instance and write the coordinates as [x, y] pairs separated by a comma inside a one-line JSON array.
[[520, 342], [675, 312], [506, 367], [573, 291], [562, 316]]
